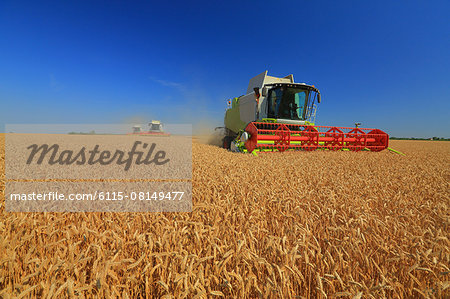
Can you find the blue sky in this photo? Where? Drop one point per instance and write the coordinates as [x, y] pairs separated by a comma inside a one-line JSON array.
[[383, 63]]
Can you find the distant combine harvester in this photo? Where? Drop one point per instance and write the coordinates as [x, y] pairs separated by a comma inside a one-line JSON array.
[[155, 129]]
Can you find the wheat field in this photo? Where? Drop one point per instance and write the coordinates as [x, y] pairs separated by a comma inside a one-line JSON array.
[[280, 225]]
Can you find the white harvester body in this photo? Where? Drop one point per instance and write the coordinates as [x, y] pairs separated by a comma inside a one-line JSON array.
[[259, 103], [155, 126]]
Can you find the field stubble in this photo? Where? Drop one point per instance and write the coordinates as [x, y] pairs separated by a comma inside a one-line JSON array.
[[303, 224]]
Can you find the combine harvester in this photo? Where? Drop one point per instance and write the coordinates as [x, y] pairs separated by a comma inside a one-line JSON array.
[[155, 129], [277, 114]]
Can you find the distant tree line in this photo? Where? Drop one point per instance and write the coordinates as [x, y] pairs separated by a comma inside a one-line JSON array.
[[83, 133]]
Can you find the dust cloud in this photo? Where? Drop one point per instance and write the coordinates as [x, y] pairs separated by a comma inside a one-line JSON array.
[[204, 132]]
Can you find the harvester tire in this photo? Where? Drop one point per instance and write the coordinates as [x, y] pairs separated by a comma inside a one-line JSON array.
[[227, 142]]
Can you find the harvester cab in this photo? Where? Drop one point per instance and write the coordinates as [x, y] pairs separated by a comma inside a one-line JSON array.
[[277, 114], [155, 126], [273, 99], [137, 129]]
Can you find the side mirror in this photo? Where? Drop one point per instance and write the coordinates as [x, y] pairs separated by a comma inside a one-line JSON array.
[[257, 94], [318, 97], [264, 91]]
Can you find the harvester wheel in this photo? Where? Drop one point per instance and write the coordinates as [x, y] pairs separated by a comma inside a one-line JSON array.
[[227, 142]]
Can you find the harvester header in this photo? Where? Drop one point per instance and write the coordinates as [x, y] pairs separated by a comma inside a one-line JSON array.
[[278, 114]]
